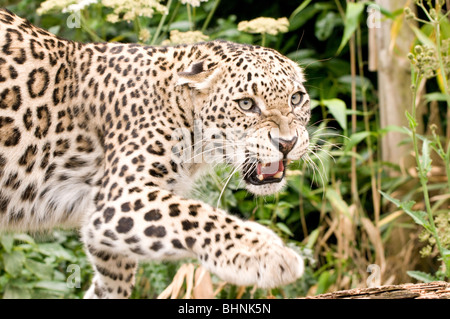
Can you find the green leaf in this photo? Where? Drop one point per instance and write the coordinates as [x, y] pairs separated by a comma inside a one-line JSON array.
[[352, 15], [54, 249], [284, 229], [13, 262], [356, 138], [425, 158], [393, 128], [362, 83], [12, 292], [446, 252], [348, 153], [436, 96], [7, 241], [55, 29], [312, 238], [338, 109], [419, 217], [296, 20], [325, 24], [302, 54], [299, 9], [423, 38], [53, 285], [445, 28], [24, 238], [324, 282], [41, 270], [422, 276], [22, 282], [411, 119], [246, 206], [282, 212], [337, 202], [314, 103]]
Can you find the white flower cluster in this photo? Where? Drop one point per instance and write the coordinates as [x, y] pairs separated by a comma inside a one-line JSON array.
[[193, 3], [64, 5], [265, 25], [54, 5], [177, 37], [144, 35], [79, 5], [130, 9]]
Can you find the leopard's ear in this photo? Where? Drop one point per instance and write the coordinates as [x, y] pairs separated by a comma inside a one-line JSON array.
[[198, 75]]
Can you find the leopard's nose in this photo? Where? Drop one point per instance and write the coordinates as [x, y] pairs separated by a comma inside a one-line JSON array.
[[284, 145]]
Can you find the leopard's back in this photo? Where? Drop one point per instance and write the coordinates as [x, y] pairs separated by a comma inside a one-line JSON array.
[[50, 153]]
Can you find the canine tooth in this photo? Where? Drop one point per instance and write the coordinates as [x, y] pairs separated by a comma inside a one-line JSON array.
[[260, 177], [278, 175]]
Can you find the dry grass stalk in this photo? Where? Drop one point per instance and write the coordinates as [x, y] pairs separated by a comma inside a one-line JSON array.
[[193, 281], [203, 288]]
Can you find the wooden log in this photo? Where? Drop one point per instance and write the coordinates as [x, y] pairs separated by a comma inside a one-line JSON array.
[[432, 290]]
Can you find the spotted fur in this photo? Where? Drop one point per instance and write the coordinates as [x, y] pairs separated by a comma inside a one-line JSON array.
[[90, 138]]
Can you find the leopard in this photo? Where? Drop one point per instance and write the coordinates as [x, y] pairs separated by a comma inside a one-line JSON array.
[[109, 139]]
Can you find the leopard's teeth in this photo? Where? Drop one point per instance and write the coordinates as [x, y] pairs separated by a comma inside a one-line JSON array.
[[278, 175], [260, 177]]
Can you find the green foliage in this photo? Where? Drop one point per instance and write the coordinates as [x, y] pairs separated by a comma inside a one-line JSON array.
[[152, 278], [352, 16], [430, 59], [51, 268], [319, 212]]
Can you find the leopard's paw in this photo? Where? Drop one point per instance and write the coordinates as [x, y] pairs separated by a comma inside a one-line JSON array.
[[258, 258]]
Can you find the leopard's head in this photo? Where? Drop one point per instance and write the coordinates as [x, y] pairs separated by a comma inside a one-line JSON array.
[[253, 109]]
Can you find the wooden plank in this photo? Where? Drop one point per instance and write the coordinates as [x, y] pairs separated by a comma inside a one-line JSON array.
[[432, 290]]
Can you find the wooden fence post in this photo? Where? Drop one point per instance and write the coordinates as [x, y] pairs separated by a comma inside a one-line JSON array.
[[390, 43]]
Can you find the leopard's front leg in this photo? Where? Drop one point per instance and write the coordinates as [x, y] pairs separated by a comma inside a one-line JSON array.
[[155, 224]]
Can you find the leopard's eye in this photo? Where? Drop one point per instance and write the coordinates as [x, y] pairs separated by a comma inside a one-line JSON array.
[[249, 105], [296, 99], [246, 104]]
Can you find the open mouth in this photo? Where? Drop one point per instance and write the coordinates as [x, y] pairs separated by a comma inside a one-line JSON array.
[[266, 173]]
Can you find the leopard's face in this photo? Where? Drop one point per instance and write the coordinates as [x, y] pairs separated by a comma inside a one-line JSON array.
[[254, 110]]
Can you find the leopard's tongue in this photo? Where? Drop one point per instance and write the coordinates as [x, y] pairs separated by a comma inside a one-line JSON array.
[[266, 170]]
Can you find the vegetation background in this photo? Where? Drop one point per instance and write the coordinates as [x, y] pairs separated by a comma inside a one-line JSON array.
[[358, 217]]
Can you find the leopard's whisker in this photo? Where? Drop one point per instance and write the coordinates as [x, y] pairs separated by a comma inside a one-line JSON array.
[[236, 169], [315, 169]]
